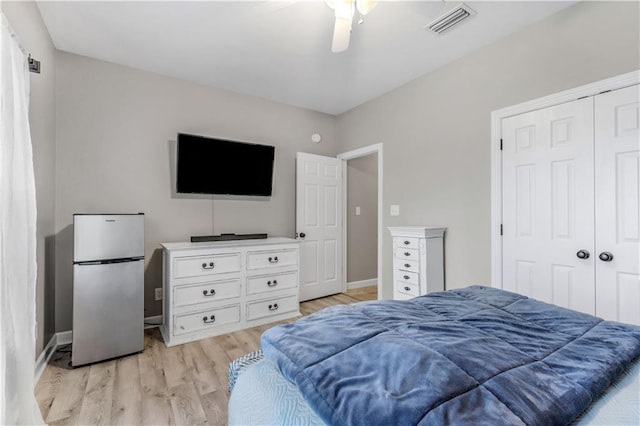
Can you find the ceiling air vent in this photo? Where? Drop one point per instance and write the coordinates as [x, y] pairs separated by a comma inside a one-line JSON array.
[[450, 18]]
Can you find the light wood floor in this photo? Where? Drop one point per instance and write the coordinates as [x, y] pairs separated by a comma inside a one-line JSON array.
[[183, 385]]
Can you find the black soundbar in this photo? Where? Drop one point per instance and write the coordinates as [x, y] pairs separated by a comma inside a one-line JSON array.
[[226, 237]]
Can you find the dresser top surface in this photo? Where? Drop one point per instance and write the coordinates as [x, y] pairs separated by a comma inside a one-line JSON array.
[[185, 245], [417, 231]]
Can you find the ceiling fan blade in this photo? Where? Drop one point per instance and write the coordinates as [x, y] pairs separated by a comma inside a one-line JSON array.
[[341, 35]]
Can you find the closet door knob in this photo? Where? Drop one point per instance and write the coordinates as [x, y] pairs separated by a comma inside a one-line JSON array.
[[605, 256], [583, 254]]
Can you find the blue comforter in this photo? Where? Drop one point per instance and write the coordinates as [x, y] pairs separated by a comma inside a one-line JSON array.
[[470, 356]]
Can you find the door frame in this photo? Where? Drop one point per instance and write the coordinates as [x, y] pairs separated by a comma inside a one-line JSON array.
[[350, 155], [592, 89]]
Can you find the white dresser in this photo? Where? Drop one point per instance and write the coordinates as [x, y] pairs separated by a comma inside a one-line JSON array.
[[219, 287], [418, 260]]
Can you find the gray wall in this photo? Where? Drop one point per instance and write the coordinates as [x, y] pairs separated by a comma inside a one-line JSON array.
[[115, 126], [25, 19], [362, 230], [436, 129]]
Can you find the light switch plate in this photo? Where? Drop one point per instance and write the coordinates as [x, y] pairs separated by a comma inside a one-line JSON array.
[[395, 210], [357, 211]]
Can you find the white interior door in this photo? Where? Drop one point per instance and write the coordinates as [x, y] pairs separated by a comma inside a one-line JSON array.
[[319, 224], [548, 215], [617, 166]]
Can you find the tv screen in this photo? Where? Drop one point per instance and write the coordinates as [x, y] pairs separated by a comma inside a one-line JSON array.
[[217, 166]]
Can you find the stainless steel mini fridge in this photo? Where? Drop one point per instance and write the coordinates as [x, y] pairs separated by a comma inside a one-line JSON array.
[[108, 286]]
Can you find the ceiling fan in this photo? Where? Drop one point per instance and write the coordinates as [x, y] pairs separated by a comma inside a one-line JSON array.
[[344, 11]]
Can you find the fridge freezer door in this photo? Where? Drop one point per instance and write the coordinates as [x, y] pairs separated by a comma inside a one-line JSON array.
[[103, 236], [108, 311]]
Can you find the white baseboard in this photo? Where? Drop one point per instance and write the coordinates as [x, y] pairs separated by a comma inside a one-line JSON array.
[[66, 337], [45, 356], [363, 283], [151, 322]]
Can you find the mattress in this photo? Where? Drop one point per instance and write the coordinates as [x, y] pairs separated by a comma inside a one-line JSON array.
[[262, 396]]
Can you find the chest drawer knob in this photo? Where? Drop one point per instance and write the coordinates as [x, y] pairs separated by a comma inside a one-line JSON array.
[[209, 266], [406, 277], [406, 288], [272, 283], [406, 243], [209, 293], [209, 320], [406, 253], [273, 307], [407, 265], [273, 259]]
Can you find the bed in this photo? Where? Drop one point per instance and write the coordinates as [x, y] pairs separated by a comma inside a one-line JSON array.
[[469, 356]]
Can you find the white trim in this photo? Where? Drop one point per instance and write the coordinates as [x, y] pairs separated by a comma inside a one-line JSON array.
[[45, 356], [592, 89], [155, 321], [350, 155], [64, 338], [362, 283]]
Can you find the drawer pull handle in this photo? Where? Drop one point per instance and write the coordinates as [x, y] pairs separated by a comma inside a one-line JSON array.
[[406, 288], [273, 307], [406, 243], [209, 293], [406, 277], [209, 320], [407, 265], [272, 284], [406, 253], [273, 259], [209, 266]]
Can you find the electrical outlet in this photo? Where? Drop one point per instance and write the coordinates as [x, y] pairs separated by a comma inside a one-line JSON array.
[[394, 210], [159, 293], [357, 211]]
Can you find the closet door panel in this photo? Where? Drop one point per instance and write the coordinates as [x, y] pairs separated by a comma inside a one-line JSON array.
[[548, 204], [617, 189]]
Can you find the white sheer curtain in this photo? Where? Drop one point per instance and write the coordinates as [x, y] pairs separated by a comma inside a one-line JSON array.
[[17, 238]]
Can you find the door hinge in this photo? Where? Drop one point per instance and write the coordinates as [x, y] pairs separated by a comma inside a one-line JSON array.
[[500, 144], [500, 229]]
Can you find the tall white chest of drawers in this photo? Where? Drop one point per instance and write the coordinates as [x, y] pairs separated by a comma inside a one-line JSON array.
[[418, 260], [219, 287]]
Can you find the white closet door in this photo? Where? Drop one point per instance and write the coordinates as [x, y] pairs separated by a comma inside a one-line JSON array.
[[617, 168], [548, 201]]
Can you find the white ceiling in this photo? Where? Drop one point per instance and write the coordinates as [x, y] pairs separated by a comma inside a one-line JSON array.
[[281, 50]]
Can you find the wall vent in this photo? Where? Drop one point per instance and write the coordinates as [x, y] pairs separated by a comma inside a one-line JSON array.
[[450, 18]]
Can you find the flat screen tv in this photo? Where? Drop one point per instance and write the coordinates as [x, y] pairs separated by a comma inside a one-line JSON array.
[[223, 167]]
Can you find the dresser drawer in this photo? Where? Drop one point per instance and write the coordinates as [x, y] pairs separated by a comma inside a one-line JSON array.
[[408, 277], [196, 266], [407, 253], [271, 259], [410, 242], [412, 290], [206, 292], [206, 319], [408, 265], [273, 282], [271, 307]]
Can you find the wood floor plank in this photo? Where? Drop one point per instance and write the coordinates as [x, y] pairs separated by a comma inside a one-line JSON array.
[[215, 407], [156, 408], [68, 401], [201, 369], [175, 369], [98, 397], [184, 384], [127, 399], [186, 406]]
